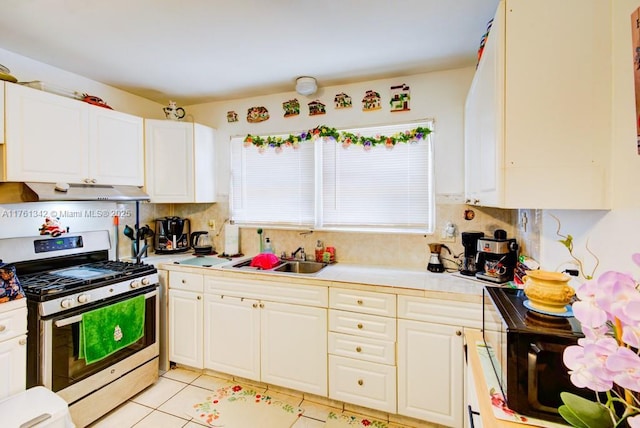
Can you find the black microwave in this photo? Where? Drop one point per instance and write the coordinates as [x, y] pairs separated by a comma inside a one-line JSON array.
[[528, 352]]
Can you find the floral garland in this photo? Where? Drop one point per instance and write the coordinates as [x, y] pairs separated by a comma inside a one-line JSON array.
[[345, 138]]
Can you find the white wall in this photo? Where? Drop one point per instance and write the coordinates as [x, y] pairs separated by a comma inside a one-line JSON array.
[[26, 70], [438, 95], [613, 235]]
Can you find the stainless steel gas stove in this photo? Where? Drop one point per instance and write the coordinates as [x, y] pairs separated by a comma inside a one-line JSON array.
[[68, 276]]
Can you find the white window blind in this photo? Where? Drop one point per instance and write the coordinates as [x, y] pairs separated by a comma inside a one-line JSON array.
[[379, 187], [272, 188], [323, 185]]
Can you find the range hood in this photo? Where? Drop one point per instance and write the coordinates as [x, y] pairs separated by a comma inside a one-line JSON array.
[[41, 192]]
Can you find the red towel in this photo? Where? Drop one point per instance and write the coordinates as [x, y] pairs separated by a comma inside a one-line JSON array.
[[265, 261]]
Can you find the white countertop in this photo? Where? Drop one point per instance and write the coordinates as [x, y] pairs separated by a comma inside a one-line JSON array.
[[396, 278]]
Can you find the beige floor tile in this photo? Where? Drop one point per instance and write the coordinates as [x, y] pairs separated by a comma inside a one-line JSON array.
[[182, 374], [158, 393], [211, 382], [285, 398], [305, 422], [123, 416], [181, 404], [193, 424], [317, 411], [158, 419]]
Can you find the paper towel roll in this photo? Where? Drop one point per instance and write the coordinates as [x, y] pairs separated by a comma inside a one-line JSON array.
[[231, 239]]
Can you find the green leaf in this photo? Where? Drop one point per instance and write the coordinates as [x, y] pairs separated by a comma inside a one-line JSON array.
[[584, 413]]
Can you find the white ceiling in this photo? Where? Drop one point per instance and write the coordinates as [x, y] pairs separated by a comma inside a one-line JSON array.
[[196, 51]]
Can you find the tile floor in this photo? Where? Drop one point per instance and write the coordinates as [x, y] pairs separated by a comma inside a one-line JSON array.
[[163, 405]]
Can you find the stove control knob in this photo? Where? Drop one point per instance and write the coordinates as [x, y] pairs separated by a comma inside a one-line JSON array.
[[135, 284], [66, 303], [145, 281], [83, 298]]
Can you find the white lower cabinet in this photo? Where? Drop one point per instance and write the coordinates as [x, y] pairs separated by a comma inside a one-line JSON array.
[[186, 309], [362, 344], [248, 334], [13, 347]]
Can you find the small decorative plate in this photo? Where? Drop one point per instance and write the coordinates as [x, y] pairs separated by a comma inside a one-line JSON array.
[[567, 314]]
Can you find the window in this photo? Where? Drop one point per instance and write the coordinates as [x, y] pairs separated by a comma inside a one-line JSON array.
[[323, 185]]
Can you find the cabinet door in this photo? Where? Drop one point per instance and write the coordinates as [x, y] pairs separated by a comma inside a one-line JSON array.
[[185, 328], [484, 117], [430, 372], [205, 164], [46, 136], [2, 139], [169, 161], [294, 347], [232, 336], [13, 366], [116, 147]]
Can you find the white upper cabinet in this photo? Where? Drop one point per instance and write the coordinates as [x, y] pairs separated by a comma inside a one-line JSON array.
[[180, 162], [50, 138], [537, 116], [2, 112]]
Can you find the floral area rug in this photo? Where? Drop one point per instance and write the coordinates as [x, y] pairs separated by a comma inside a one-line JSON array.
[[239, 407], [335, 420]]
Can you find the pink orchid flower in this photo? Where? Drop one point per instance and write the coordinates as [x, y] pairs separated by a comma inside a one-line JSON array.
[[625, 364], [586, 309], [634, 422], [587, 367]]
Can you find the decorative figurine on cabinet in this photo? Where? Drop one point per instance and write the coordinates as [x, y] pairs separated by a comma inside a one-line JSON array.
[[173, 112]]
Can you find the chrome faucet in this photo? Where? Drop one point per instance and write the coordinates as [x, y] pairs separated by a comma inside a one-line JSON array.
[[302, 254]]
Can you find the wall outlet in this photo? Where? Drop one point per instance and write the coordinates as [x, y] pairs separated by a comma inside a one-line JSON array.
[[212, 224]]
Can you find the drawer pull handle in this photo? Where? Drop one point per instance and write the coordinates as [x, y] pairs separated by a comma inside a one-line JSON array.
[[360, 382], [255, 305], [458, 333], [2, 327], [360, 325], [360, 302], [184, 281], [22, 342], [262, 305], [358, 349]]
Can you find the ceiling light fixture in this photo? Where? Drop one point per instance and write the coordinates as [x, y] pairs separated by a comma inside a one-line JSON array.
[[306, 85]]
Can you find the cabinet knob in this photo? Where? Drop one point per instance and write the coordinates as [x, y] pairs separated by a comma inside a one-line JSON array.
[[358, 349], [458, 333], [255, 305], [199, 297], [360, 382], [467, 201], [184, 281], [360, 325], [2, 328], [22, 342], [359, 301], [262, 305], [476, 201]]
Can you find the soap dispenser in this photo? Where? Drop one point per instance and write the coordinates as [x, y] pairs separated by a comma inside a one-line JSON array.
[[268, 248]]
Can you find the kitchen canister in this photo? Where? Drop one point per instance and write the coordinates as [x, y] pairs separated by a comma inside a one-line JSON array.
[[548, 291]]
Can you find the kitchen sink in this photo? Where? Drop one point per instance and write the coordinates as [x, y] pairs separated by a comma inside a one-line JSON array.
[[284, 266], [298, 266]]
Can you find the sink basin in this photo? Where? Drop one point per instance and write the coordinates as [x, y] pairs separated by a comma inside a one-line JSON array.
[[285, 266], [300, 267]]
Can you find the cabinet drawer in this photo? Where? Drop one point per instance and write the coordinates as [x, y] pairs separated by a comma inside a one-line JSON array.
[[362, 325], [13, 323], [363, 301], [186, 281], [438, 311], [362, 348], [360, 382]]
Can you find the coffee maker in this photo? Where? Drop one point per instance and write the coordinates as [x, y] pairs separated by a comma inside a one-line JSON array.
[[435, 264], [172, 235], [470, 259], [497, 258]]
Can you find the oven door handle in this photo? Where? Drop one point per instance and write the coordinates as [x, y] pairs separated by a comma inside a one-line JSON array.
[[78, 318]]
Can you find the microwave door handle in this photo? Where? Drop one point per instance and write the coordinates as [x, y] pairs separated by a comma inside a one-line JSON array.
[[532, 379]]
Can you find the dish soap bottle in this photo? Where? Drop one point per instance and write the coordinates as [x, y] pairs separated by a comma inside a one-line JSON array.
[[319, 251], [268, 248]]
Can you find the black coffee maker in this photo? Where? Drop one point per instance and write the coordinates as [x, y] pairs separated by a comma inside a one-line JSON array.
[[470, 259], [172, 235], [497, 258]]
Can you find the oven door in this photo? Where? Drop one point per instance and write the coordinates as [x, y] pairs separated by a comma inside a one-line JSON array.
[[62, 369]]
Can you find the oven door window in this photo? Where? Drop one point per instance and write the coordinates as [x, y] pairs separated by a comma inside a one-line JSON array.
[[68, 368]]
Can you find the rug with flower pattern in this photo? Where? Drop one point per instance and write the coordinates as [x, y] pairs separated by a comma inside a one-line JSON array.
[[340, 420], [241, 407]]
